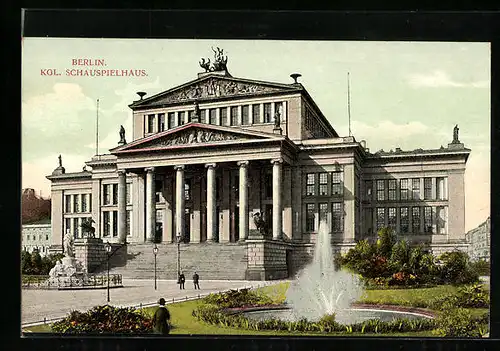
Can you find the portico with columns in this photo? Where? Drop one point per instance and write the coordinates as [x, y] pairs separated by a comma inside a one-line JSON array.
[[201, 200]]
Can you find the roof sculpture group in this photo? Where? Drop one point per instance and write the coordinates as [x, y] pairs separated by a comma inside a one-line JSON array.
[[220, 63]]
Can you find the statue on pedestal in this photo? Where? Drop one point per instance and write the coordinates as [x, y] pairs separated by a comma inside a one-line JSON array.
[[122, 136], [87, 229], [60, 161], [68, 245], [455, 135], [277, 120]]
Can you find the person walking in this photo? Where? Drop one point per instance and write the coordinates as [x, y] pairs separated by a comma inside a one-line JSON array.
[[182, 280], [196, 281], [161, 319]]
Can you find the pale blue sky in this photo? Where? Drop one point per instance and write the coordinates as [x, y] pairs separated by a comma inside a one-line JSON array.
[[403, 94]]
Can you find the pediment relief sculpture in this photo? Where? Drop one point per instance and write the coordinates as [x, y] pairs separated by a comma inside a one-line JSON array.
[[193, 136], [214, 87]]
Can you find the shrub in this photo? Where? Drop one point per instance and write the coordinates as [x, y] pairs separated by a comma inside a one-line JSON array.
[[386, 241], [457, 322], [105, 319], [481, 267], [34, 264], [468, 296], [456, 268], [238, 298]]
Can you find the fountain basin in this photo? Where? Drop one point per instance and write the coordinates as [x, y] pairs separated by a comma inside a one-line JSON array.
[[355, 314]]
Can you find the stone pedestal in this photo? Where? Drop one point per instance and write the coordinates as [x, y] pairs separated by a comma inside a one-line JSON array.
[[91, 252], [266, 259]]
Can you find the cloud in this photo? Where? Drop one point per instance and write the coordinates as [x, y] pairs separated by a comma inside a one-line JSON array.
[[387, 134], [439, 79]]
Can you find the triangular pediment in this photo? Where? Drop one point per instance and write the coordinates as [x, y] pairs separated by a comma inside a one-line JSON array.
[[214, 87], [194, 135]]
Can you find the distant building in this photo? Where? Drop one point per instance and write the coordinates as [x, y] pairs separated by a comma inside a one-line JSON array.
[[33, 207], [479, 241], [36, 236]]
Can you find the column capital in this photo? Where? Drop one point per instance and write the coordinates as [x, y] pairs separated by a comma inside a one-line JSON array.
[[179, 167], [149, 169], [121, 172], [210, 165], [277, 160], [242, 163]]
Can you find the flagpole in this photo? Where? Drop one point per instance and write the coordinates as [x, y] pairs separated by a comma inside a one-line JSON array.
[[349, 102], [97, 130]]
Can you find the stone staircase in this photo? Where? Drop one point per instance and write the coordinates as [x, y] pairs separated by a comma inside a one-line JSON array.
[[211, 261]]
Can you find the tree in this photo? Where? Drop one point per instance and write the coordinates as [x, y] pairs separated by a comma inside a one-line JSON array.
[[385, 242], [36, 262], [26, 266]]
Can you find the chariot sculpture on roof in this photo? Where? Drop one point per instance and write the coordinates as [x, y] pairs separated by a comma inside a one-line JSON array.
[[220, 63]]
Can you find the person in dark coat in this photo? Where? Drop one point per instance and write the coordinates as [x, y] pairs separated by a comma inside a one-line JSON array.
[[182, 280], [196, 281], [161, 319]]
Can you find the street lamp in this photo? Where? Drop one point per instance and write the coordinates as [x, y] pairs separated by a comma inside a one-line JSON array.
[[155, 252], [108, 252], [178, 254]]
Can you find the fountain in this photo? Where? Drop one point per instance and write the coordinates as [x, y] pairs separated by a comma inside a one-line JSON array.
[[320, 289]]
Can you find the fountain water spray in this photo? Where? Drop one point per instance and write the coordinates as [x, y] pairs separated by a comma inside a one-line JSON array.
[[320, 289]]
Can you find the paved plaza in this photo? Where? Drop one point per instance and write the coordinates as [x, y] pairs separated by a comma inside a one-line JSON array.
[[38, 304]]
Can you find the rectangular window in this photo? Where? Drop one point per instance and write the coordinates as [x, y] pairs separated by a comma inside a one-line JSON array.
[[440, 220], [115, 223], [267, 113], [380, 218], [90, 202], [67, 201], [269, 185], [323, 183], [244, 115], [310, 216], [392, 189], [76, 228], [129, 195], [106, 223], [234, 115], [337, 186], [84, 202], [427, 188], [310, 184], [223, 116], [115, 194], [161, 122], [404, 223], [323, 212], [337, 217], [129, 214], [415, 220], [76, 203], [255, 114], [278, 107], [380, 190], [391, 218], [415, 193], [190, 116], [213, 116], [46, 237], [203, 116], [182, 117], [171, 120], [369, 189], [67, 225], [440, 188], [428, 220], [404, 189], [151, 123]]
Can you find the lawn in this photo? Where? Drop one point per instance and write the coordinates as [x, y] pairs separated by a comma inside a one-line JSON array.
[[185, 323]]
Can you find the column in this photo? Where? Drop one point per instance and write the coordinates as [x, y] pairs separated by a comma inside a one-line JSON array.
[[287, 203], [261, 113], [150, 204], [243, 193], [196, 222], [277, 208], [179, 201], [211, 207], [122, 206], [434, 188], [168, 232], [225, 227]]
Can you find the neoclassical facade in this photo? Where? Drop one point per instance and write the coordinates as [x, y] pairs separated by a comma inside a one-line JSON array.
[[207, 156]]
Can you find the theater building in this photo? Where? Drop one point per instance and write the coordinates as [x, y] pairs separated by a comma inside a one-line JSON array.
[[255, 166]]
